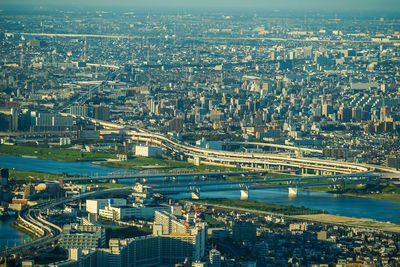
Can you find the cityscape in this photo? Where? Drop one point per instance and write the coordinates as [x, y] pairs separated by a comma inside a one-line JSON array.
[[183, 133]]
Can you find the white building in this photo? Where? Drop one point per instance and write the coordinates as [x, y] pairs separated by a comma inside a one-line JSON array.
[[65, 141], [122, 212], [147, 151], [94, 205]]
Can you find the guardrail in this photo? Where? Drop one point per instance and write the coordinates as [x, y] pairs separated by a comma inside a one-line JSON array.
[[52, 232]]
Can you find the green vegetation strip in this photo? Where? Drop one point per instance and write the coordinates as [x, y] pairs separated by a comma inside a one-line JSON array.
[[258, 206], [381, 192], [32, 175], [61, 154], [140, 163]]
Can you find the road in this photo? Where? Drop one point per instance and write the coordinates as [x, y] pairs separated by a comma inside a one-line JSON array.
[[241, 159], [123, 176], [49, 233]]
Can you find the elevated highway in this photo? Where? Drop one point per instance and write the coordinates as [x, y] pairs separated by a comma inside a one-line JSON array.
[[239, 159], [31, 219], [254, 161], [124, 176], [278, 146], [360, 178]]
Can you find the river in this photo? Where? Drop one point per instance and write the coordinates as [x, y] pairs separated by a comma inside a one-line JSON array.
[[380, 210], [83, 168], [10, 236], [342, 205]]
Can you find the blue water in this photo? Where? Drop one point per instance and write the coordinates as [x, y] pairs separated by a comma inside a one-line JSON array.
[[52, 166], [380, 210], [342, 205], [8, 235]]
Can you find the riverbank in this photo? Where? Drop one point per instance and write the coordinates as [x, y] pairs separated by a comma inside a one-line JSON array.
[[142, 163], [317, 217], [33, 175], [59, 154], [259, 206], [165, 165], [351, 221], [23, 230], [390, 193]]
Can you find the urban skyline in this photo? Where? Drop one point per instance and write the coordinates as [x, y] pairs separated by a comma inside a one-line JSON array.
[[182, 133]]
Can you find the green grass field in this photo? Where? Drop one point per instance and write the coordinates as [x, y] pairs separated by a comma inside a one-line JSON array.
[[60, 154], [391, 193], [140, 163], [32, 175], [258, 206]]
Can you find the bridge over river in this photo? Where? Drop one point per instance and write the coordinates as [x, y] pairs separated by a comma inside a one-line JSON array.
[[244, 185], [115, 177]]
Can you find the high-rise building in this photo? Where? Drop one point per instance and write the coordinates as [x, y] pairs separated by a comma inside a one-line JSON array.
[[327, 109], [101, 113], [177, 247], [82, 236], [345, 114], [308, 52], [28, 191], [175, 125], [153, 106], [215, 258], [244, 232], [4, 177], [356, 114], [82, 110], [14, 119], [179, 239], [43, 119], [168, 224], [385, 112]]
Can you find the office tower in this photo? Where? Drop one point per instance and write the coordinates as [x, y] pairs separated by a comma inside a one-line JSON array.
[[79, 110], [14, 119], [101, 113], [215, 258], [4, 177], [344, 114]]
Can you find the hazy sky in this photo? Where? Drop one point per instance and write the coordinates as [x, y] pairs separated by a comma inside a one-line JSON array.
[[337, 5]]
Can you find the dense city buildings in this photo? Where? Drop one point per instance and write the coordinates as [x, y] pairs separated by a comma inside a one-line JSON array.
[[143, 109], [222, 76]]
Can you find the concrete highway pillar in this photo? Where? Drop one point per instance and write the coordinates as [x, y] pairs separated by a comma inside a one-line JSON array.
[[195, 192], [292, 191], [244, 192], [195, 195]]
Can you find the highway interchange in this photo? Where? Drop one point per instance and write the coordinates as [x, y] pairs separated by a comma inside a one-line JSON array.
[[312, 169]]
